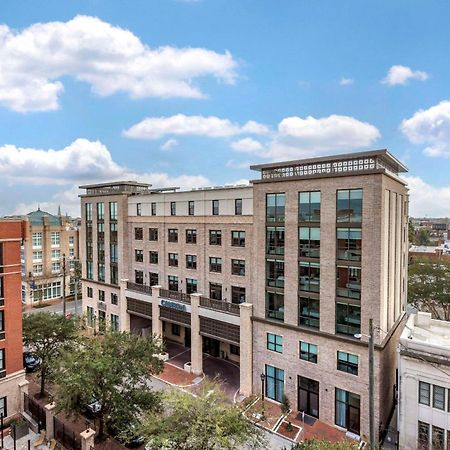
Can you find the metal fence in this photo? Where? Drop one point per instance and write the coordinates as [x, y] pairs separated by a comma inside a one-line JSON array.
[[35, 410], [68, 438]]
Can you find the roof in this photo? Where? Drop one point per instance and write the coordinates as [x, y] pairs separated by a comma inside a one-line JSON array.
[[114, 183], [36, 218]]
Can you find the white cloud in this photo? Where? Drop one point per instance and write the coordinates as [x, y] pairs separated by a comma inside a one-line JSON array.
[[182, 125], [109, 58], [247, 145], [401, 75], [431, 127], [232, 164], [170, 143], [346, 81], [428, 200]]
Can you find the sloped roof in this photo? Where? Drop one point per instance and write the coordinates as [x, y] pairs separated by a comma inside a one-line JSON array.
[[36, 217]]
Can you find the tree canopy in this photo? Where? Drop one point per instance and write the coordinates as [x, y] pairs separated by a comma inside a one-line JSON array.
[[206, 421], [429, 286], [48, 336], [113, 370], [316, 444]]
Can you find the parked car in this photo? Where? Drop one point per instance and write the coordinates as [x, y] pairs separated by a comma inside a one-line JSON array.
[[31, 362], [93, 407]]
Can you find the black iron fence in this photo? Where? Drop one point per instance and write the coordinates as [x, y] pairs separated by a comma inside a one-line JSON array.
[[35, 410], [68, 438]]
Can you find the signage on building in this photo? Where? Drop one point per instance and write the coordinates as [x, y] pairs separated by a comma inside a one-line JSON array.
[[173, 305]]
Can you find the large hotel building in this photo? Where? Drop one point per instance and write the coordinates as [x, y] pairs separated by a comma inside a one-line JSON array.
[[281, 276]]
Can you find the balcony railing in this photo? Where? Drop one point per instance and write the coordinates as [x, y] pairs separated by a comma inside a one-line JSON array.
[[139, 287], [175, 295], [220, 305]]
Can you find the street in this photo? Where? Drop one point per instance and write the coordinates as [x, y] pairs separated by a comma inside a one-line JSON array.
[[58, 308]]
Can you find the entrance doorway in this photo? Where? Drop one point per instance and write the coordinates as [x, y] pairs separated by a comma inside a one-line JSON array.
[[211, 346], [187, 337], [308, 396]]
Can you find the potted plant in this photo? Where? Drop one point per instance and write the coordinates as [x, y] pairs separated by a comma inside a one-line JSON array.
[[19, 428]]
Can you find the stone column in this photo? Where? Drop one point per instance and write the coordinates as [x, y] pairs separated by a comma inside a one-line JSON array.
[[124, 319], [23, 389], [49, 414], [196, 338], [156, 321], [87, 439], [246, 349]]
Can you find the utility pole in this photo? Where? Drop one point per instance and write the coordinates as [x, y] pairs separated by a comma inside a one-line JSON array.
[[64, 284], [371, 387]]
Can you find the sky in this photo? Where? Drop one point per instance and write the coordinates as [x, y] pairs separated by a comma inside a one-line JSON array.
[[189, 93]]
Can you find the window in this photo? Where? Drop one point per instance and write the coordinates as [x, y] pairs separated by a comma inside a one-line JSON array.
[[113, 211], [114, 273], [173, 235], [191, 236], [347, 410], [138, 209], [37, 256], [349, 206], [215, 291], [424, 393], [309, 206], [309, 276], [309, 312], [153, 234], [274, 342], [101, 230], [309, 242], [71, 253], [346, 362], [55, 237], [348, 319], [38, 269], [238, 238], [191, 261], [191, 285], [173, 208], [153, 208], [238, 267], [139, 255], [423, 435], [275, 240], [2, 359], [114, 253], [438, 397], [235, 350], [114, 299], [238, 206], [275, 273], [101, 295], [153, 257], [173, 259], [153, 278], [275, 207], [275, 306], [36, 239], [237, 294], [349, 246], [3, 407], [308, 352], [114, 323], [274, 383], [2, 323], [348, 282], [90, 292], [89, 270], [71, 240], [437, 438], [88, 210], [308, 396], [215, 264], [139, 277], [101, 272], [215, 237], [138, 234], [215, 207], [56, 267], [176, 330], [100, 211], [191, 207], [113, 232], [173, 282]]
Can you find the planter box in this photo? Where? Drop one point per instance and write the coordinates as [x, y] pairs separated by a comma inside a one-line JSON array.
[[19, 430], [163, 356], [187, 367]]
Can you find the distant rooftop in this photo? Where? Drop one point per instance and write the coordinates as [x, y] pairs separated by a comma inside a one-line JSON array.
[[116, 187], [37, 217]]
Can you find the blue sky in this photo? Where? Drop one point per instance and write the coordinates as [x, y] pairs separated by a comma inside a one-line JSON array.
[[206, 87]]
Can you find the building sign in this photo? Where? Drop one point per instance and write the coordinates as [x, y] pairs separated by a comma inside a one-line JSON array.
[[173, 305]]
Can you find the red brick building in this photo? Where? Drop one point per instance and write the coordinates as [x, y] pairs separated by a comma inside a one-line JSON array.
[[12, 376]]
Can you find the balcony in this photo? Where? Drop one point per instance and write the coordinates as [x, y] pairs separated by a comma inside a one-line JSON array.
[[220, 305], [175, 295], [139, 288]]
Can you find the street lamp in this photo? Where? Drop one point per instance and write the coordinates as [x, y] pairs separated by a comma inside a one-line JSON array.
[[263, 390]]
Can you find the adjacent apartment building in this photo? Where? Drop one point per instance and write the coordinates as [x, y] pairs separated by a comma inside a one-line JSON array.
[[280, 276], [424, 383], [51, 245], [12, 375]]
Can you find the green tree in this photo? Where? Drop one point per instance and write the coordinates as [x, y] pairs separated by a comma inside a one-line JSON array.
[[411, 232], [429, 286], [113, 370], [206, 421], [47, 336], [423, 237], [317, 444]]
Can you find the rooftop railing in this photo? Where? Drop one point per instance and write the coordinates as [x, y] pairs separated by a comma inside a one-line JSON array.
[[175, 295], [220, 305], [139, 287]]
